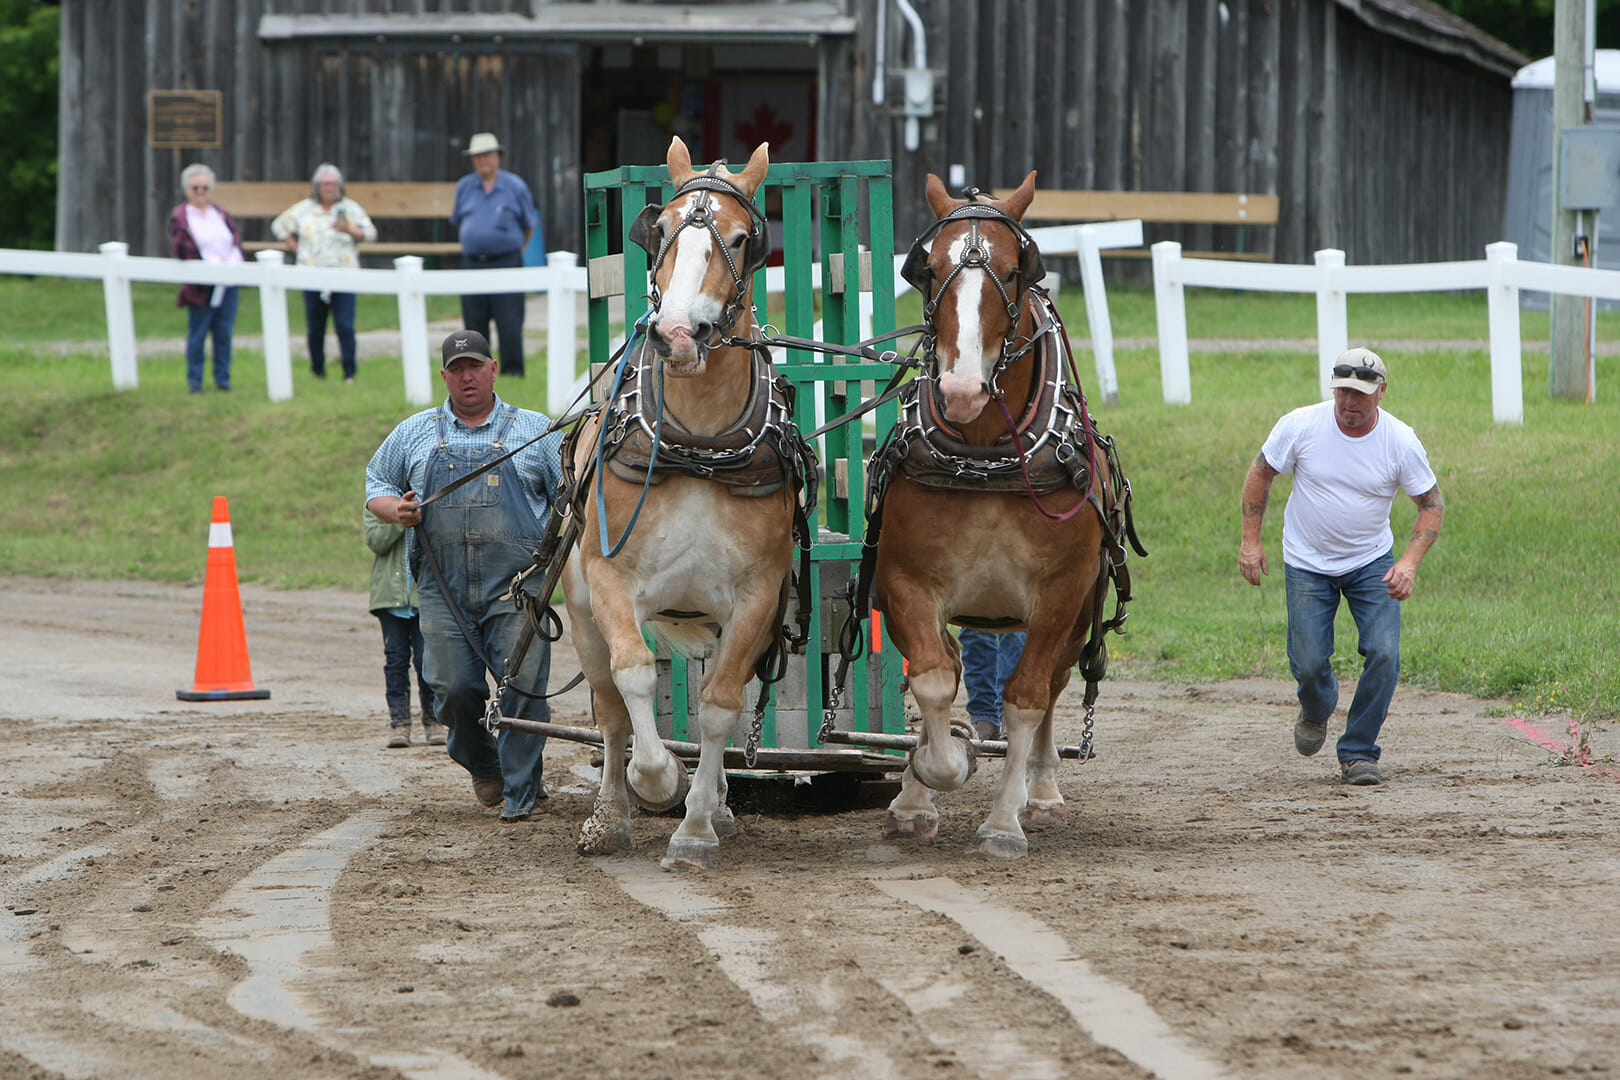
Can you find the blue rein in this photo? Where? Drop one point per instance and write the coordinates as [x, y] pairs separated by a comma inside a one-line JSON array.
[[601, 449]]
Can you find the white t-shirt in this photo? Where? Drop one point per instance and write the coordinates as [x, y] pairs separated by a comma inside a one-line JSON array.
[[214, 240], [1337, 518]]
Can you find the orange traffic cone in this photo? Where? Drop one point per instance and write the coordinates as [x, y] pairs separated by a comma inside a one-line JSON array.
[[223, 671]]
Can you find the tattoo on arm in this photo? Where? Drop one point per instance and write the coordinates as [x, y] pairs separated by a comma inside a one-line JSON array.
[[1432, 499]]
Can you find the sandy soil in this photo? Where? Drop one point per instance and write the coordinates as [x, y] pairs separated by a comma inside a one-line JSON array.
[[259, 889]]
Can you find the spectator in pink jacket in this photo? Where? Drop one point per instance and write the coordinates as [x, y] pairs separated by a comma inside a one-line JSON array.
[[199, 228]]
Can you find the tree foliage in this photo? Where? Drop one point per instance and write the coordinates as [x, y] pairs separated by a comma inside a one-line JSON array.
[[29, 65], [1527, 25]]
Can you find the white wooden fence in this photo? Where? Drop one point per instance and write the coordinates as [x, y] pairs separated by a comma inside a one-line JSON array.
[[561, 280], [1500, 274]]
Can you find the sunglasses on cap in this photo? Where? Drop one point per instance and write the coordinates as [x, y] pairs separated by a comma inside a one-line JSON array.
[[1364, 373]]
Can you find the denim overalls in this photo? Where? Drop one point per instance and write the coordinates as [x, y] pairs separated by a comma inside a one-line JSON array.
[[482, 534]]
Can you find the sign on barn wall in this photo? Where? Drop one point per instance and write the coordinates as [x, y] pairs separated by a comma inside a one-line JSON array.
[[183, 119]]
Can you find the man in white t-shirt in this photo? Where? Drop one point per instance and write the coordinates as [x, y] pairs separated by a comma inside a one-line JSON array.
[[1349, 458]]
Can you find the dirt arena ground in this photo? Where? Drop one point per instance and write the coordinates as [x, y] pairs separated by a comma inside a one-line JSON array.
[[260, 890]]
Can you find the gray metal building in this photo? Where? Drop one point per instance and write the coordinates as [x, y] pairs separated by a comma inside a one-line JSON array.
[[1366, 117]]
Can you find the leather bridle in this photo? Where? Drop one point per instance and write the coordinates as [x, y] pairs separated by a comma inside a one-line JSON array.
[[976, 256], [701, 216]]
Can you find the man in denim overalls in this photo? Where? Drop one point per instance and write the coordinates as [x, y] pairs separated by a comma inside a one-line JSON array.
[[481, 534]]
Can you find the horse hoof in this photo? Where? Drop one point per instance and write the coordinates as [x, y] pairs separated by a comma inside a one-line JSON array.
[[922, 826], [1037, 812], [724, 822], [603, 834], [682, 785], [689, 854], [998, 845]]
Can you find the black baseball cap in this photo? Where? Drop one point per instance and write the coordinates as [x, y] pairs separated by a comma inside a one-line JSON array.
[[469, 343]]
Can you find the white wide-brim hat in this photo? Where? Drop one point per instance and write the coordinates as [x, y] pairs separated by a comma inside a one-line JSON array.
[[483, 143]]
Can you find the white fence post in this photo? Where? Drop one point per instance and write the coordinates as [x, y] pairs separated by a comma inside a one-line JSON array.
[[1102, 328], [273, 324], [413, 331], [1507, 364], [1332, 317], [561, 328], [1170, 302], [120, 317]]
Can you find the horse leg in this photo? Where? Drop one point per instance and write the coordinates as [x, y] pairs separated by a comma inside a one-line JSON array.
[[1045, 805], [607, 830], [912, 812], [1045, 802], [654, 774], [697, 840], [940, 762], [1027, 698]]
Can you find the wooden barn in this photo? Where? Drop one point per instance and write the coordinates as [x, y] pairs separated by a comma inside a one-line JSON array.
[[1380, 125]]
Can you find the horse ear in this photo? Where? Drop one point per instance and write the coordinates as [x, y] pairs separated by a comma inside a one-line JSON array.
[[915, 269], [679, 161], [1018, 202], [644, 229], [759, 163], [939, 200]]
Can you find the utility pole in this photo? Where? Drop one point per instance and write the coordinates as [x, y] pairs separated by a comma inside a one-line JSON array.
[[1567, 375]]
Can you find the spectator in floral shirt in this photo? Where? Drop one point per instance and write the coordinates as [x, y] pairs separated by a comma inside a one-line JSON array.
[[324, 230]]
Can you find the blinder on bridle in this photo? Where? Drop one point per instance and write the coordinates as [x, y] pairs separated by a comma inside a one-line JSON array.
[[917, 272], [976, 256], [756, 249]]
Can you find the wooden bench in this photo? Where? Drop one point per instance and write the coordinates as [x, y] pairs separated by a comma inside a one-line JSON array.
[[382, 200], [1164, 207]]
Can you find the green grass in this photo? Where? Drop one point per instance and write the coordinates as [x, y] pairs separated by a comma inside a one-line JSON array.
[[1518, 600]]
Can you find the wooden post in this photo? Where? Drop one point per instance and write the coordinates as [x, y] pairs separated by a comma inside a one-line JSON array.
[[273, 324], [1170, 304], [1567, 370], [1502, 298], [1332, 318], [413, 331], [560, 334], [120, 316]]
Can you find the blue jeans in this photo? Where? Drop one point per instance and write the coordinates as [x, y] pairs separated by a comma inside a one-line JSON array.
[[402, 646], [987, 662], [506, 309], [1313, 601], [482, 534], [203, 321], [342, 310]]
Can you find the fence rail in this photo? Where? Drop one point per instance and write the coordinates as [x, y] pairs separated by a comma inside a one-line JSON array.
[[1500, 274], [562, 279]]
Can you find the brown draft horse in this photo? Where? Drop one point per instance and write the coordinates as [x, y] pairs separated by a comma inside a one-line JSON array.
[[705, 555], [964, 537]]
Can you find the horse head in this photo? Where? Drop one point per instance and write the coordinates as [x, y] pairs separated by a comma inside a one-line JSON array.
[[973, 278], [706, 244]]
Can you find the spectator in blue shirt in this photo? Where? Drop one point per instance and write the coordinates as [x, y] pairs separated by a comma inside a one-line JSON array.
[[495, 217]]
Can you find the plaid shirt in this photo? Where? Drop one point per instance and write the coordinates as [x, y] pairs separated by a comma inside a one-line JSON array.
[[400, 463]]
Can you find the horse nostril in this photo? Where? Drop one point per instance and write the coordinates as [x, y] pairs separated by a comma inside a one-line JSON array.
[[702, 330]]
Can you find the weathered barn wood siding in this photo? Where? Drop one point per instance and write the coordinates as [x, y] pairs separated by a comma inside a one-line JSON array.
[[390, 110], [1370, 142], [1390, 150]]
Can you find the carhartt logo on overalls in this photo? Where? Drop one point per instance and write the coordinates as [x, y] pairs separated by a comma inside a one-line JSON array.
[[494, 479]]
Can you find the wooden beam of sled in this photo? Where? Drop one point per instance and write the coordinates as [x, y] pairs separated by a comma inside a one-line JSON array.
[[768, 759], [986, 747]]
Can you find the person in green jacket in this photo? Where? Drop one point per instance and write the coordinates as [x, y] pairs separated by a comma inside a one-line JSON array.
[[394, 602]]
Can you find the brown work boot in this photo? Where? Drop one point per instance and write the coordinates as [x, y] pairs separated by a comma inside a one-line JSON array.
[[435, 732], [398, 735], [489, 792]]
